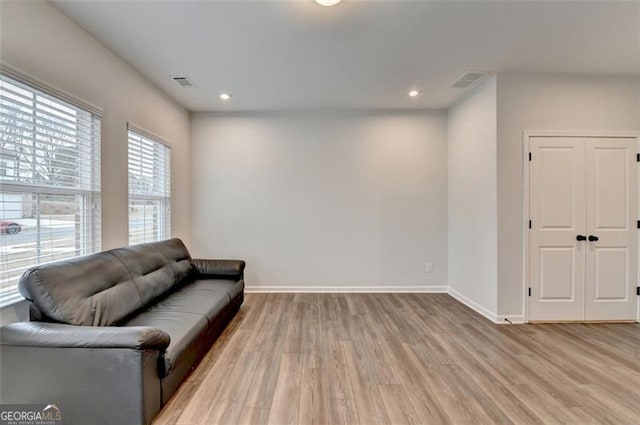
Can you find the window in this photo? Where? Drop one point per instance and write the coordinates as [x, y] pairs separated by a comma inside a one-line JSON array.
[[6, 168], [49, 179], [149, 188]]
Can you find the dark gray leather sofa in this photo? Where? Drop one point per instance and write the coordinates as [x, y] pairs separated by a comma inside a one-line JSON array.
[[112, 335]]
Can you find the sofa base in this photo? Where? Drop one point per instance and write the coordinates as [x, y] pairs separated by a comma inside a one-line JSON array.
[[48, 375]]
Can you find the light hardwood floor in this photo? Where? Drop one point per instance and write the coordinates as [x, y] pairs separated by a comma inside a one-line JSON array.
[[406, 359]]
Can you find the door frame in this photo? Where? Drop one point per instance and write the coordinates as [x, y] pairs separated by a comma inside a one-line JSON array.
[[526, 136]]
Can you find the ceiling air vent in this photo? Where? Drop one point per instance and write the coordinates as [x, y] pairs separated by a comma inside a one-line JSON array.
[[469, 78], [182, 80]]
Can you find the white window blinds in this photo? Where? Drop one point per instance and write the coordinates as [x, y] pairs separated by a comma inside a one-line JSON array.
[[49, 181], [149, 188]]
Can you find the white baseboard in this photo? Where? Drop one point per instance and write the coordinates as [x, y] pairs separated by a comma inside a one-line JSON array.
[[347, 289], [473, 305]]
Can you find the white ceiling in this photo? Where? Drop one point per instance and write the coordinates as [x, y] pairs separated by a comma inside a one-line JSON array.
[[293, 54]]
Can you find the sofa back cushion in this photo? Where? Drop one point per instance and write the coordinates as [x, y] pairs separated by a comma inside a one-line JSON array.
[[104, 288], [156, 267]]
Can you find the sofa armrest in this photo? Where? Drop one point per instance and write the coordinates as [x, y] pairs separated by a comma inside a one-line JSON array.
[[56, 335], [220, 269]]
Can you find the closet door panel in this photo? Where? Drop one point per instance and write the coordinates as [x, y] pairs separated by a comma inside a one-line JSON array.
[[611, 215]]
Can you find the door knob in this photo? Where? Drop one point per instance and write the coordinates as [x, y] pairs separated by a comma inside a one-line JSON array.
[[593, 238], [581, 238]]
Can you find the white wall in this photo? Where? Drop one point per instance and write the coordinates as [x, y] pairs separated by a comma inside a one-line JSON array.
[[546, 102], [323, 199], [472, 195], [40, 41]]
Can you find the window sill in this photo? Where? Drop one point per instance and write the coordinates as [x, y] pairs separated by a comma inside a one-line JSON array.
[[14, 311], [8, 301]]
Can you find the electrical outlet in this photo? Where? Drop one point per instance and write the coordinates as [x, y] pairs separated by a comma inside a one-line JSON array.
[[429, 267]]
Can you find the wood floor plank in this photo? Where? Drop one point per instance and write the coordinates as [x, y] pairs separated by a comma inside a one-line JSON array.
[[293, 340], [253, 416], [227, 407], [338, 386], [197, 407], [311, 338], [286, 398], [396, 404], [170, 414], [343, 412], [421, 393], [260, 393], [489, 379], [365, 389], [314, 409], [367, 359]]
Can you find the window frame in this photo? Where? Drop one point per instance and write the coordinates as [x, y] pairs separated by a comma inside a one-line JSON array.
[[88, 236]]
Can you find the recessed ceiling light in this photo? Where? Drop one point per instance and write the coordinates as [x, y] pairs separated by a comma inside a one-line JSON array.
[[225, 96], [328, 2], [414, 93]]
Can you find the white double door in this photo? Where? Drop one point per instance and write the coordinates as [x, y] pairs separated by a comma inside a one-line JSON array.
[[583, 241]]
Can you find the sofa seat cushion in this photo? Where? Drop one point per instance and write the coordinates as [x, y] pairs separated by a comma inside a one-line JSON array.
[[183, 327], [230, 287], [191, 299]]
